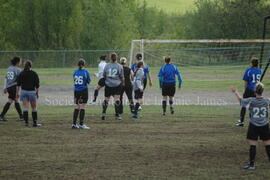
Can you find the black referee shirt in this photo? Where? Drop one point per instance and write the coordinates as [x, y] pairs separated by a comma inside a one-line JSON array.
[[28, 80]]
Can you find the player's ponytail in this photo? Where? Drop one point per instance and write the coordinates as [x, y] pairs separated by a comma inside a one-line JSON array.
[[81, 63], [259, 88], [254, 62], [27, 65], [167, 59], [114, 57], [139, 65]]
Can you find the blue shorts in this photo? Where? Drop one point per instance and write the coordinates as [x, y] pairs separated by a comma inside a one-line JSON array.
[[28, 96]]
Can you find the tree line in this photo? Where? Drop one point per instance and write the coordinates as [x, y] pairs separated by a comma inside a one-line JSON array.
[[112, 24]]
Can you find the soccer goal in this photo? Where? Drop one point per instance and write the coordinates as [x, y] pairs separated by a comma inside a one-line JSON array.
[[201, 52]]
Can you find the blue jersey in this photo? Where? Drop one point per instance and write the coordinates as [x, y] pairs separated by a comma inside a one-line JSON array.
[[168, 72], [146, 69], [252, 76], [81, 79]]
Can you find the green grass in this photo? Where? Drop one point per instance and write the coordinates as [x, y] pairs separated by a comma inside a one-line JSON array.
[[198, 142], [204, 78], [172, 6]]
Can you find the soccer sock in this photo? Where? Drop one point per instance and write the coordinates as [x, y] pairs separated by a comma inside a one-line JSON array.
[[131, 105], [171, 103], [136, 108], [18, 108], [105, 106], [121, 107], [95, 95], [164, 106], [267, 148], [117, 106], [5, 109], [82, 114], [242, 114], [25, 116], [34, 116], [252, 155], [75, 116]]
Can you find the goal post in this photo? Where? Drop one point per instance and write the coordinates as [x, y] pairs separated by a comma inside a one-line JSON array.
[[200, 52]]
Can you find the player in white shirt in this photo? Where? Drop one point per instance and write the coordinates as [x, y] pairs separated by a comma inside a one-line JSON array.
[[99, 75]]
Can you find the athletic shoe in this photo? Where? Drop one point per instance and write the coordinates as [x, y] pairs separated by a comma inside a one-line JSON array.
[[118, 118], [172, 110], [84, 127], [103, 116], [37, 125], [140, 108], [74, 126], [3, 119], [135, 116], [21, 119], [93, 103], [249, 167], [239, 124]]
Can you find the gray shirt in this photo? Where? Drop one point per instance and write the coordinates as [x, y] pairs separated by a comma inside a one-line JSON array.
[[138, 79], [11, 77], [113, 74], [258, 110]]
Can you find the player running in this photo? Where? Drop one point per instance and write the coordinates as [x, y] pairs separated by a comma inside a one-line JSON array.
[[167, 82], [99, 75], [28, 82], [138, 87], [114, 80], [128, 75], [259, 125], [10, 87], [81, 79], [251, 77]]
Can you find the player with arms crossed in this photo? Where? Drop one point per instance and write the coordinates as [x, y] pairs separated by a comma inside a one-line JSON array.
[[251, 77], [28, 82], [138, 87], [101, 82], [128, 89], [259, 125], [10, 87], [114, 80], [167, 82], [81, 79]]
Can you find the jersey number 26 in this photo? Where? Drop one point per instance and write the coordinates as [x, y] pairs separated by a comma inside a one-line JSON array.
[[78, 80]]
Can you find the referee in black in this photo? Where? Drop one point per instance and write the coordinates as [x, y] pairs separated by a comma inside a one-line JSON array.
[[28, 82]]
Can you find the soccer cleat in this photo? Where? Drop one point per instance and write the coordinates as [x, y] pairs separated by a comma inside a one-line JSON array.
[[103, 116], [249, 167], [140, 108], [135, 116], [74, 126], [239, 124], [3, 119], [172, 110], [118, 118], [84, 127], [93, 103], [21, 118], [37, 125]]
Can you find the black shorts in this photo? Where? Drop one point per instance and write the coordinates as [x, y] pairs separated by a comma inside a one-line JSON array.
[[81, 97], [112, 91], [255, 132], [101, 82], [168, 89], [248, 93], [128, 90], [12, 92], [138, 94]]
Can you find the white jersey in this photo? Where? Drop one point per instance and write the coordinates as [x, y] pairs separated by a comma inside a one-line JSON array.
[[101, 67]]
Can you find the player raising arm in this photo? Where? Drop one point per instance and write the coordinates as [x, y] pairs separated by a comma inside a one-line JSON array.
[[114, 80], [99, 75], [167, 82], [138, 87], [251, 77], [259, 125], [81, 80], [10, 87]]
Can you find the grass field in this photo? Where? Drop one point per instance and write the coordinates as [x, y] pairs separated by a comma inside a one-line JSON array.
[[198, 142], [172, 6]]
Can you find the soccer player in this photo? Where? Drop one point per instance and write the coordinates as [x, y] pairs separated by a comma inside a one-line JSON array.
[[114, 81], [81, 79], [99, 75], [128, 75], [10, 87], [167, 81], [259, 125], [28, 82], [251, 77], [138, 87]]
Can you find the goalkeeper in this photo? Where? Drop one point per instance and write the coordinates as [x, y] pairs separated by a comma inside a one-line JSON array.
[[167, 82]]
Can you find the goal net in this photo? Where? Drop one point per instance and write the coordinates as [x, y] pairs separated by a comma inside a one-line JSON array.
[[201, 52]]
